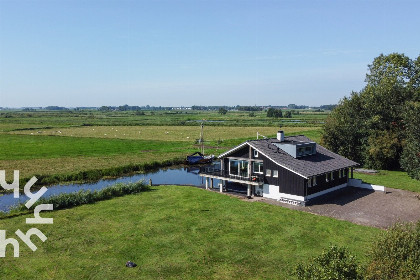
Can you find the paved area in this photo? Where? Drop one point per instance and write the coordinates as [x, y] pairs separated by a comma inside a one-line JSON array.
[[359, 206]]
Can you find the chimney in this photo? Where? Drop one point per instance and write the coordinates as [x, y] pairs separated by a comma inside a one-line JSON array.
[[280, 135]]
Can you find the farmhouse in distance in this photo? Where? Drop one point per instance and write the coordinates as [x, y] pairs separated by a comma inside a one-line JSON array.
[[291, 169]]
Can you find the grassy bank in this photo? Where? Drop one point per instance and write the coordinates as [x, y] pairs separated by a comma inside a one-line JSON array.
[[70, 200], [177, 232], [390, 179]]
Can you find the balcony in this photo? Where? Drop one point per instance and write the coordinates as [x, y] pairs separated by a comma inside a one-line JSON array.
[[254, 179]]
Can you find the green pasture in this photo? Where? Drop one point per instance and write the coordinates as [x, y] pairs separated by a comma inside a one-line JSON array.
[[64, 142], [60, 119], [174, 232]]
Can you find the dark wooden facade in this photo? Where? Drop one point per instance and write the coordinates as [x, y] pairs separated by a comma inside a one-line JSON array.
[[288, 181]]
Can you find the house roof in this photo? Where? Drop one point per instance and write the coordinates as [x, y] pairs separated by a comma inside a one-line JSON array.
[[322, 162]]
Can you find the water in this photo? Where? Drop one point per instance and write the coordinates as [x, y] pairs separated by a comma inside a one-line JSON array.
[[170, 176]]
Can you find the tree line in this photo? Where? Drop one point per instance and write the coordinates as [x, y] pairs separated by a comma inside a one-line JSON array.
[[379, 127]]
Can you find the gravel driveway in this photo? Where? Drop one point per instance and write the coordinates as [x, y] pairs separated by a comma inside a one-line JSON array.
[[364, 207]]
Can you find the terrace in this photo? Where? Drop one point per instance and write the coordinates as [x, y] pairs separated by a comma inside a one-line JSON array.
[[225, 175]]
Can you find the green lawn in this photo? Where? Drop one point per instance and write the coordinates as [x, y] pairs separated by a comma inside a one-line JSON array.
[[391, 179], [175, 232]]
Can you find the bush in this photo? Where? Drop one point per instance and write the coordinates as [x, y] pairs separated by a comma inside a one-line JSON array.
[[333, 263], [396, 254]]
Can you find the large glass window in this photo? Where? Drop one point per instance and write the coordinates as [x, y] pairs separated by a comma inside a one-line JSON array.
[[238, 167], [233, 167], [243, 168]]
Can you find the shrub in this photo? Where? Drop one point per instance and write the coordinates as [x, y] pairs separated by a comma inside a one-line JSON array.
[[68, 200], [396, 253], [333, 263]]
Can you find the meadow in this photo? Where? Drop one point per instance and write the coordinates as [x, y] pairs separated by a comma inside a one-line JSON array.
[[175, 232], [61, 143], [64, 144], [10, 120]]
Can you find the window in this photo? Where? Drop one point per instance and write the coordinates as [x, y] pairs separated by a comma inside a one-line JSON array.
[[340, 173], [332, 176], [301, 151], [238, 167], [314, 181], [255, 153], [244, 168], [327, 177], [275, 173], [233, 167], [268, 172], [257, 167]]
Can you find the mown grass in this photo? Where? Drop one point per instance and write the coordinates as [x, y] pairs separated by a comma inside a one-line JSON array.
[[390, 179], [175, 232]]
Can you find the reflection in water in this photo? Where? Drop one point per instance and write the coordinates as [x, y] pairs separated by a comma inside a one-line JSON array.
[[172, 176]]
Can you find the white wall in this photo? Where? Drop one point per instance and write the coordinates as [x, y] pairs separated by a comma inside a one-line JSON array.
[[272, 191], [359, 184]]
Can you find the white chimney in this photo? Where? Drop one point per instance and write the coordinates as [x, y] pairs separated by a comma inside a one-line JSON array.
[[280, 135]]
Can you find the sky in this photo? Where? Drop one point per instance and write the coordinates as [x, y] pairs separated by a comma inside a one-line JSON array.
[[198, 52]]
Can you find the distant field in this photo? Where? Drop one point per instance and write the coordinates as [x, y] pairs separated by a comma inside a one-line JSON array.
[[84, 148], [50, 142], [175, 232], [166, 133], [59, 119]]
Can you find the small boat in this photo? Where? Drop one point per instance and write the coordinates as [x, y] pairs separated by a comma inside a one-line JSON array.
[[199, 158]]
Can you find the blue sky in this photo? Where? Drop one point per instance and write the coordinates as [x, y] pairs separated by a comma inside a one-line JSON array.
[[172, 53]]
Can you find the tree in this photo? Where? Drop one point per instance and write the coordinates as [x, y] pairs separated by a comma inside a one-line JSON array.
[[274, 113], [288, 114], [222, 111], [104, 108], [344, 130], [334, 263], [395, 254], [369, 127], [410, 159]]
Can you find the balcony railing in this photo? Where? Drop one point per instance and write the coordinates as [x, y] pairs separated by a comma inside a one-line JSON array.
[[256, 178]]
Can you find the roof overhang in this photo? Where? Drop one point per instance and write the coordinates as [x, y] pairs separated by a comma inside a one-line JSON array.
[[234, 149]]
